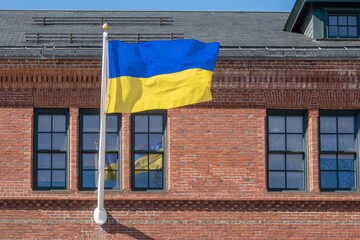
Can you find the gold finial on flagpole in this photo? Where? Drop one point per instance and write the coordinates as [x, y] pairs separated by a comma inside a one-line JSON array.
[[105, 26]]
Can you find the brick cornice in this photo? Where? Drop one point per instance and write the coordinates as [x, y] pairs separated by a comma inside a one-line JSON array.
[[185, 205]]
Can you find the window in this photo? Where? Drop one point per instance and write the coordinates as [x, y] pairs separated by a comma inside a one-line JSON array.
[[50, 149], [89, 138], [342, 26], [148, 151], [337, 152], [286, 151]]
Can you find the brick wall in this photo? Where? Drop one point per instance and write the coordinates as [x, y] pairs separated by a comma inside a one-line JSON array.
[[216, 156]]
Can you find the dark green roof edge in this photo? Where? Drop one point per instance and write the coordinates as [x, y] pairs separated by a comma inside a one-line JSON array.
[[294, 15], [299, 6]]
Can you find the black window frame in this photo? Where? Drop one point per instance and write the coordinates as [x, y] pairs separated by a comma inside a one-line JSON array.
[[96, 112], [162, 113], [341, 113], [341, 13], [36, 150], [286, 113]]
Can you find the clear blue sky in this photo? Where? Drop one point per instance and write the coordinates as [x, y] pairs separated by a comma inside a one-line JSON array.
[[219, 5]]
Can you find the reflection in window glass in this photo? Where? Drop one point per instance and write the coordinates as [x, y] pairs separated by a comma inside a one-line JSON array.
[[295, 180], [50, 138], [276, 124], [89, 150], [285, 152], [342, 25], [328, 180], [44, 123], [276, 142], [295, 162], [148, 151], [91, 123], [328, 142], [337, 152], [59, 123], [276, 161], [277, 180], [327, 161], [294, 124]]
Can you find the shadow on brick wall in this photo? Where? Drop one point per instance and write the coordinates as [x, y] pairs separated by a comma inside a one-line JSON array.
[[113, 227]]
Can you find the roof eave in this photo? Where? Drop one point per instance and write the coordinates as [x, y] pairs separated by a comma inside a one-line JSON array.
[[294, 15]]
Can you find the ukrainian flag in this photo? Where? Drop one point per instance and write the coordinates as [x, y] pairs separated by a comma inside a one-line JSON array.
[[159, 74], [110, 165]]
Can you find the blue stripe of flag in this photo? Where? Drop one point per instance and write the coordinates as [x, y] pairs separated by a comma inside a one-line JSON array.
[[148, 59]]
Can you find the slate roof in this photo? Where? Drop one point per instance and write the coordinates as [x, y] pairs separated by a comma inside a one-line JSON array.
[[241, 34]]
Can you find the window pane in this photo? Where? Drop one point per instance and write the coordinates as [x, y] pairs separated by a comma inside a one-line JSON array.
[[276, 179], [89, 178], [328, 124], [141, 142], [294, 142], [141, 161], [346, 180], [110, 176], [342, 20], [141, 123], [44, 123], [111, 183], [155, 142], [44, 160], [90, 141], [333, 32], [111, 160], [155, 179], [44, 141], [346, 124], [343, 32], [58, 142], [141, 179], [333, 20], [276, 142], [328, 179], [111, 142], [156, 124], [352, 20], [276, 124], [352, 31], [111, 123], [276, 161], [294, 124], [294, 162], [90, 160], [91, 123], [58, 178], [346, 161], [43, 178], [155, 161], [295, 180], [328, 142], [328, 161], [346, 142], [58, 160], [59, 123]]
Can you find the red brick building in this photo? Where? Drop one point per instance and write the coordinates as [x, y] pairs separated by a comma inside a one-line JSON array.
[[274, 155]]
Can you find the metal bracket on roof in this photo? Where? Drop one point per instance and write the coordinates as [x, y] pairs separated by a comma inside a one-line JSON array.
[[66, 20], [94, 38]]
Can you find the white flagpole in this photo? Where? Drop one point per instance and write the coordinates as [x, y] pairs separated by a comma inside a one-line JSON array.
[[100, 214]]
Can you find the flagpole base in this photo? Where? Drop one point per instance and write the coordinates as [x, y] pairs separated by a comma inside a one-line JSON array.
[[100, 217]]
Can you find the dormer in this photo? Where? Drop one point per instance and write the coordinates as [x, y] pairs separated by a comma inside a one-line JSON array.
[[325, 19]]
